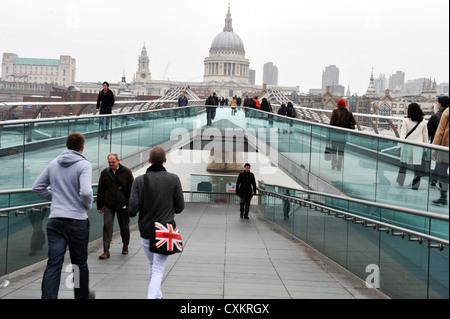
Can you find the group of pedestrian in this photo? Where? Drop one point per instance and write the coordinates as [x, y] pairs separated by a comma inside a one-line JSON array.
[[287, 110], [414, 128], [211, 106], [436, 131], [67, 182], [253, 103]]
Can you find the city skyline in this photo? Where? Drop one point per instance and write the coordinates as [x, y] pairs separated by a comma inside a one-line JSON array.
[[301, 39]]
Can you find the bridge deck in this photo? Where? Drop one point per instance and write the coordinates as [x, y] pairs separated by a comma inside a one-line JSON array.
[[225, 257]]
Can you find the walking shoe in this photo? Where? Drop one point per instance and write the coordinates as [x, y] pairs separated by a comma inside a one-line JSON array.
[[440, 201], [125, 250], [105, 255]]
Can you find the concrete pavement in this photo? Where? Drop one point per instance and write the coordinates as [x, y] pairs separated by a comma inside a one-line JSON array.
[[224, 257]]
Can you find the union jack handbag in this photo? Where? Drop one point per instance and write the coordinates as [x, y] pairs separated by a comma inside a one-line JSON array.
[[167, 239]]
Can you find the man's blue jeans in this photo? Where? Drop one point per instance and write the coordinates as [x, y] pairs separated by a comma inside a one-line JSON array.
[[62, 232]]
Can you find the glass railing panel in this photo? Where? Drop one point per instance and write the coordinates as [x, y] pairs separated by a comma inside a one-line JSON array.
[[359, 173], [335, 239], [11, 136], [123, 138], [316, 229], [4, 203], [101, 143], [39, 153], [268, 207], [438, 286], [404, 268], [282, 126], [439, 182], [299, 215], [300, 150], [27, 242], [318, 165], [14, 173], [363, 249]]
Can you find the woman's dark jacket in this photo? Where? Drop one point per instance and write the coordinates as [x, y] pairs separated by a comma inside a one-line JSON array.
[[342, 117]]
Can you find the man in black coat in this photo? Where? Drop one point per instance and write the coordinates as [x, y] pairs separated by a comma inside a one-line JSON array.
[[245, 189], [105, 102], [113, 194]]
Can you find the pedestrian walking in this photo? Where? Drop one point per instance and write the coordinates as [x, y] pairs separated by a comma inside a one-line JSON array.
[[157, 196], [113, 194], [433, 123], [340, 117], [245, 189], [105, 102], [442, 161], [210, 107], [182, 103], [70, 178], [414, 128]]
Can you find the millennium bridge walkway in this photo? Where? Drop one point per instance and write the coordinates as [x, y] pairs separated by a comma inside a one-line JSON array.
[[313, 232]]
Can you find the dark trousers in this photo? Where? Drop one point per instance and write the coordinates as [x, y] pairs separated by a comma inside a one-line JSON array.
[[402, 174], [123, 219], [245, 206], [441, 174], [61, 233]]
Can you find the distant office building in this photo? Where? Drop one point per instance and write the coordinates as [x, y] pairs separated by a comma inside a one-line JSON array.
[[397, 82], [60, 71], [270, 74], [442, 88], [380, 84], [252, 76], [330, 76], [337, 89]]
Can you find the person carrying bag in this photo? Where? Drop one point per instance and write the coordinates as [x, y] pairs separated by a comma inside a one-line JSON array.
[[157, 196], [414, 128]]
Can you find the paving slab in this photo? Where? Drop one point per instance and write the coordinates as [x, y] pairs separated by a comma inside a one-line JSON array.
[[224, 257]]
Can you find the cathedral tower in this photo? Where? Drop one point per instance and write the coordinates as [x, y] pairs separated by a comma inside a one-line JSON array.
[[143, 74]]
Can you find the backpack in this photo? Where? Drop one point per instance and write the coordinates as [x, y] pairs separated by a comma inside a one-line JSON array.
[[291, 112], [210, 101]]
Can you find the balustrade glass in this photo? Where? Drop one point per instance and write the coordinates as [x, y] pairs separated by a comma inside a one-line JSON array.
[[407, 269]]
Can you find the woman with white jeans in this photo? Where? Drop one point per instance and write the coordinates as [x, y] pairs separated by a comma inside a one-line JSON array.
[[157, 196], [157, 264]]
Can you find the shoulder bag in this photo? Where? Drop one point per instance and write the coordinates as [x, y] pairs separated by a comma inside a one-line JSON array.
[[414, 128]]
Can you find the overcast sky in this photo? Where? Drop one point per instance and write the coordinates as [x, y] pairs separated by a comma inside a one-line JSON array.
[[301, 37]]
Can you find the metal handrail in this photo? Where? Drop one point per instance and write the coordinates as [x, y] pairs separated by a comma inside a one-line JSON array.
[[368, 222], [373, 204], [90, 116], [364, 221]]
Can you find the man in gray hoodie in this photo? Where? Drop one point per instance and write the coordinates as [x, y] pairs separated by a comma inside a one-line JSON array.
[[70, 178]]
